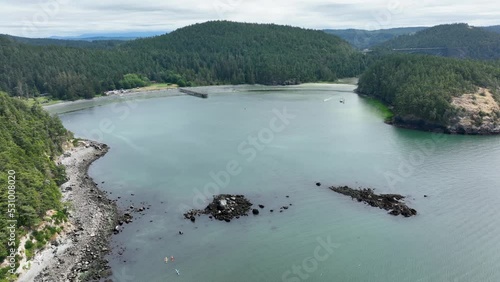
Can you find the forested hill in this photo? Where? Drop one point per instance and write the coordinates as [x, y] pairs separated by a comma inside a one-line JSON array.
[[229, 52], [454, 40], [29, 139], [362, 39], [209, 53], [427, 92]]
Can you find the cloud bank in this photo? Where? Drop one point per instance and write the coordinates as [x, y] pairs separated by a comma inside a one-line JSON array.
[[43, 18]]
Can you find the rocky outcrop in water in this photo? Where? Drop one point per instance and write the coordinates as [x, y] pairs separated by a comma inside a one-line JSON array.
[[223, 207], [388, 202]]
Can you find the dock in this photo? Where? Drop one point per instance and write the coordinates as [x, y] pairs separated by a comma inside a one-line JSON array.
[[194, 93]]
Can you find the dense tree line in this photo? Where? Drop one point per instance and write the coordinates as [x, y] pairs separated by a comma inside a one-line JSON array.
[[210, 53], [452, 40], [29, 139], [421, 87], [63, 72]]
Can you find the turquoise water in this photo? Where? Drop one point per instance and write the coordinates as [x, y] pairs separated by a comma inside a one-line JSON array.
[[165, 150]]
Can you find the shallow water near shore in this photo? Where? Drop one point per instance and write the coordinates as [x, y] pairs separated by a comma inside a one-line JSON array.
[[164, 149]]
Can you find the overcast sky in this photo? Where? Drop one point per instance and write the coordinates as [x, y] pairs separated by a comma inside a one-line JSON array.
[[41, 18]]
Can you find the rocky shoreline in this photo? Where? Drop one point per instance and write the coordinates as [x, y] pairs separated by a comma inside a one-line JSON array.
[[455, 129], [78, 254], [388, 202]]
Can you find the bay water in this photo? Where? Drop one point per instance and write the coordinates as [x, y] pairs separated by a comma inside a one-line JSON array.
[[173, 152]]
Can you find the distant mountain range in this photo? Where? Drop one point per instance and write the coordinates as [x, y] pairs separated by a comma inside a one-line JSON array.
[[111, 36], [363, 39], [99, 44], [359, 38], [90, 40], [450, 40]]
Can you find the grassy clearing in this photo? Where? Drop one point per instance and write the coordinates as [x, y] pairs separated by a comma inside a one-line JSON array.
[[44, 101], [156, 86]]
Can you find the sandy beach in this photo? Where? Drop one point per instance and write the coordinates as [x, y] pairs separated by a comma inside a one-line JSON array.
[[78, 253], [85, 103]]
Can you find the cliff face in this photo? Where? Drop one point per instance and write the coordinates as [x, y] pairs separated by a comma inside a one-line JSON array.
[[472, 113], [477, 113]]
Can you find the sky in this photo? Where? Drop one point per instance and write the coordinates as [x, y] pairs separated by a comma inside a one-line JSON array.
[[44, 18]]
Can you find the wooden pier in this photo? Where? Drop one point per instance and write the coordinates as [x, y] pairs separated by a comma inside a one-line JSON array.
[[194, 93]]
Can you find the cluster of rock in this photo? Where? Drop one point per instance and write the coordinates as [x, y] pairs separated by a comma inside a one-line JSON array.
[[389, 202], [116, 92], [224, 207], [126, 218]]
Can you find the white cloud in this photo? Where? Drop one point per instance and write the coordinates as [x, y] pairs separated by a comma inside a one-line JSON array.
[[73, 17]]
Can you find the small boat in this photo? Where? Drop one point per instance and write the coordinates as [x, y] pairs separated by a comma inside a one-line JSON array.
[[178, 273]]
